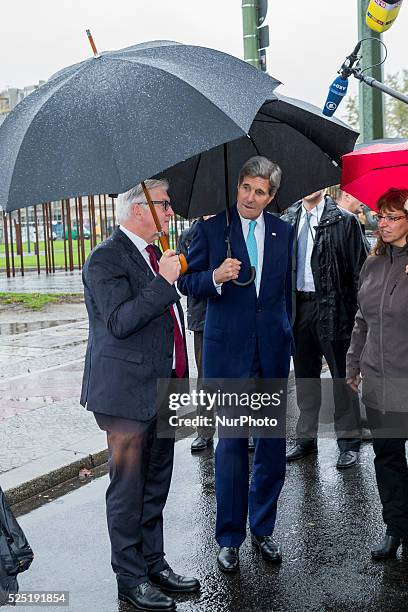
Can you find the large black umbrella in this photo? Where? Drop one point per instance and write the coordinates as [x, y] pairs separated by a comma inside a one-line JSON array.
[[105, 124], [306, 145]]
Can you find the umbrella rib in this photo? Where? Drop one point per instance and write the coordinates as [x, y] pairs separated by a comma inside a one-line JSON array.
[[253, 142]]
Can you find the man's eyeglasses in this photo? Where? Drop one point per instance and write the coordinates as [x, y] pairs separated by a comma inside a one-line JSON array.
[[390, 218], [165, 204]]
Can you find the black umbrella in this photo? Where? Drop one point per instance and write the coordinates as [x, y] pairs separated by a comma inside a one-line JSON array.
[[306, 145], [113, 120]]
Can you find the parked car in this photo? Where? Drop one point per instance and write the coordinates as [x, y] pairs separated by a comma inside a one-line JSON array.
[[74, 233]]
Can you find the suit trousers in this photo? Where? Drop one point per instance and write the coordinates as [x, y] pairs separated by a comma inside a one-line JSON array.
[[232, 479], [310, 349], [391, 468], [140, 468]]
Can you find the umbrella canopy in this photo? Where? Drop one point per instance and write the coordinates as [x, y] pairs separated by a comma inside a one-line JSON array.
[[105, 124], [306, 145], [370, 171]]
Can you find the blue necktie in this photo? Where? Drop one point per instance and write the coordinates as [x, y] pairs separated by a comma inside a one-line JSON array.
[[301, 253], [251, 245]]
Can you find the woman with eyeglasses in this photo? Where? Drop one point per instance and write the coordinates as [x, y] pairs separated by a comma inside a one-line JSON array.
[[378, 356]]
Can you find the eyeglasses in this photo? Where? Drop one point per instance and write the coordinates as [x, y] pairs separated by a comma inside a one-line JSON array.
[[390, 218], [165, 204]]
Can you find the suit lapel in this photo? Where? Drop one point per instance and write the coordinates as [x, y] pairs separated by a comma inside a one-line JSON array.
[[133, 252], [238, 246]]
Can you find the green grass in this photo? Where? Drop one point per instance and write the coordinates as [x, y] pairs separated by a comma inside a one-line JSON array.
[[30, 261], [37, 301]]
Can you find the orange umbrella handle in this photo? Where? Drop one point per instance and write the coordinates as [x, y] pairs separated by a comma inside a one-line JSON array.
[[162, 236]]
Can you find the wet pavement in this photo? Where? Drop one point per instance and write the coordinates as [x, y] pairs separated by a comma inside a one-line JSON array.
[[327, 522], [43, 428], [58, 282]]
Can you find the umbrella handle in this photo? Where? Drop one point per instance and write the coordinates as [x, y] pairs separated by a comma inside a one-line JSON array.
[[162, 236], [253, 271]]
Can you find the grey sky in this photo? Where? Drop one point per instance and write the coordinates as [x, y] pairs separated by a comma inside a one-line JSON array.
[[309, 39]]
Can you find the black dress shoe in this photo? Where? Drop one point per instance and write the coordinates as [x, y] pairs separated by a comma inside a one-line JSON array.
[[299, 451], [228, 559], [170, 582], [200, 444], [147, 598], [347, 459], [269, 549], [387, 549], [251, 444]]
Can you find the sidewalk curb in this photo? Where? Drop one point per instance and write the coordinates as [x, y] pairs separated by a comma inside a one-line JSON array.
[[40, 484]]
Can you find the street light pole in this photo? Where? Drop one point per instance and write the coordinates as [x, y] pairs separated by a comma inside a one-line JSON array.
[[370, 100]]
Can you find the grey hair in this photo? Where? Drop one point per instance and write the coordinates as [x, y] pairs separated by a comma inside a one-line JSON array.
[[262, 167], [136, 196]]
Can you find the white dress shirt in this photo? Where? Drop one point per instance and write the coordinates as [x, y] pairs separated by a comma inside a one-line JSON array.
[[316, 215], [141, 245], [259, 234]]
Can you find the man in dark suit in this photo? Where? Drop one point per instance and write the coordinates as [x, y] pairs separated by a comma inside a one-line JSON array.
[[247, 335], [328, 255], [136, 335]]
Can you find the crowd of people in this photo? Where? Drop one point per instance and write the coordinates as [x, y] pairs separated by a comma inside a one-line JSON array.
[[318, 293]]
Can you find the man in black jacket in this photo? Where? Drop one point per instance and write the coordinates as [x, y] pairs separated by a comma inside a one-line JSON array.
[[136, 335], [328, 255]]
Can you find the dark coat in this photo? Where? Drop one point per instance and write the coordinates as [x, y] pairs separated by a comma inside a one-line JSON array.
[[131, 338], [337, 257], [237, 320], [196, 308]]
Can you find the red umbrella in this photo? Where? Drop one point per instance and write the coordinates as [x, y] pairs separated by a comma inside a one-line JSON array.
[[370, 171]]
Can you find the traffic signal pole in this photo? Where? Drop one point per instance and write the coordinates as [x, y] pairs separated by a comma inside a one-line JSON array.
[[250, 23], [256, 36], [371, 104]]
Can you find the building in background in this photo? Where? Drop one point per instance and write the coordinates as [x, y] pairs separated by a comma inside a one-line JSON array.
[[9, 98]]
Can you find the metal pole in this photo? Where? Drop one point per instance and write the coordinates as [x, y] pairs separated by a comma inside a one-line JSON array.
[[377, 85], [28, 231], [370, 100], [249, 25]]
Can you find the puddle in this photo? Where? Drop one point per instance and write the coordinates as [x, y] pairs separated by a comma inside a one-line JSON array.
[[12, 329]]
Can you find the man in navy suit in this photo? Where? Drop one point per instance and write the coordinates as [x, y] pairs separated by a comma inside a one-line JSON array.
[[247, 335], [136, 335]]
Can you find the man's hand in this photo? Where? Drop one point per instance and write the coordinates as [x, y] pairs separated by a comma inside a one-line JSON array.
[[354, 382], [169, 266], [228, 270]]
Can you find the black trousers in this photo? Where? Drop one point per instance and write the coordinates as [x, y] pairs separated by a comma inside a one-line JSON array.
[[140, 468], [391, 468], [310, 350], [205, 432]]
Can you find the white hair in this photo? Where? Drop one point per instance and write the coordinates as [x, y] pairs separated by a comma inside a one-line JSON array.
[[134, 196]]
